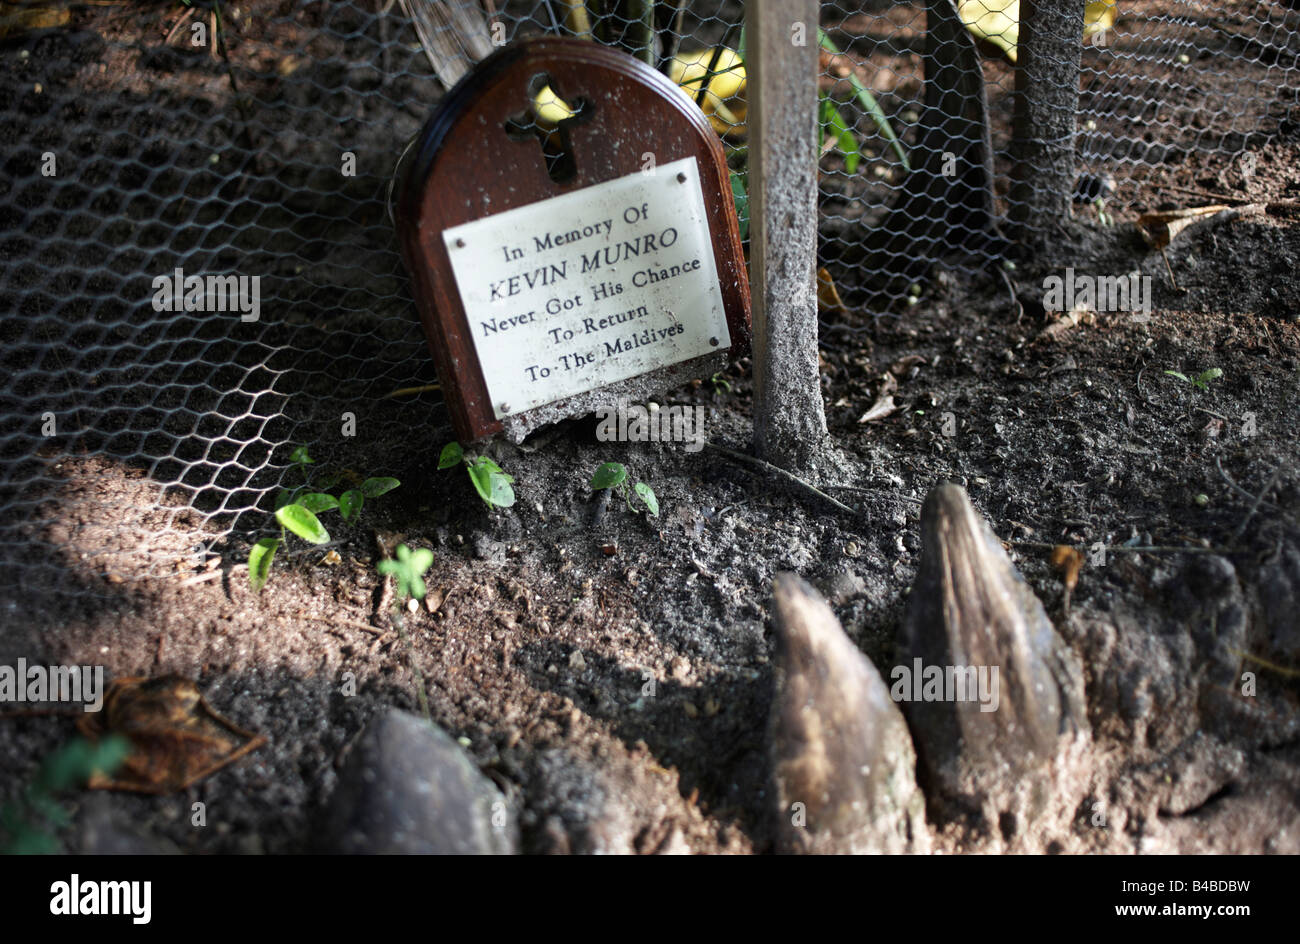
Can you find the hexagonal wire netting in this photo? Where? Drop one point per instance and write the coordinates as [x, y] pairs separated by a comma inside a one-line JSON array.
[[258, 139]]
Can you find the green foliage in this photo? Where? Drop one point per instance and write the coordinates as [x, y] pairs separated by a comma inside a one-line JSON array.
[[609, 475], [28, 824], [259, 562], [296, 511], [492, 483], [614, 475], [834, 126], [1201, 381], [408, 570], [868, 103], [302, 523], [741, 197]]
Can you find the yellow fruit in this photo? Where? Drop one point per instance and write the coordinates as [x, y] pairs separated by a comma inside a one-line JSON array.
[[998, 21], [550, 108], [724, 101]]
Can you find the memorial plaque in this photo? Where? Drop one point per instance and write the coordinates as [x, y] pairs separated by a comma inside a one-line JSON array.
[[558, 268]]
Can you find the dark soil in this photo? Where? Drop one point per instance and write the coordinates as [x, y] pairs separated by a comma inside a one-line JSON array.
[[546, 622]]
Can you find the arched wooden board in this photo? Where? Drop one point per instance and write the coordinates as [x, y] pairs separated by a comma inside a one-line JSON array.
[[465, 166]]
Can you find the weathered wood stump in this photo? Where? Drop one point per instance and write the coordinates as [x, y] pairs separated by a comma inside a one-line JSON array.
[[841, 755], [999, 760]]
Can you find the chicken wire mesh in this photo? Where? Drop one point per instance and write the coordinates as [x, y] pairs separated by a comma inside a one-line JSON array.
[[150, 142]]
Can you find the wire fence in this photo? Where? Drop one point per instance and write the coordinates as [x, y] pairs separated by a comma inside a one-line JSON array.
[[150, 145]]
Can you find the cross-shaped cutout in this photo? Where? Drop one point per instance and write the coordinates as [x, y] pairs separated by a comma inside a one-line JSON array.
[[548, 117]]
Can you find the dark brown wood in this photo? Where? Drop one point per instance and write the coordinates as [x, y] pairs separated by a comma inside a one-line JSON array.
[[467, 166]]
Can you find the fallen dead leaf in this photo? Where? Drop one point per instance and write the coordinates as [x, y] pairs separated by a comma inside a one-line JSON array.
[[884, 404], [176, 738], [828, 298]]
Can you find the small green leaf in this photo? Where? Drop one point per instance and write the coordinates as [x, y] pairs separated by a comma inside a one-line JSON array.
[[373, 488], [300, 456], [329, 480], [1182, 377], [421, 559], [316, 502], [302, 523], [481, 479], [609, 475], [350, 503], [741, 198], [500, 490], [647, 495], [833, 123], [492, 484], [452, 454], [108, 755], [1213, 373], [259, 562], [284, 497]]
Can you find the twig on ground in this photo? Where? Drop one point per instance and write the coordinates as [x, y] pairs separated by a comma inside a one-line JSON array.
[[201, 578], [1130, 549], [342, 621], [1011, 290], [184, 18], [1254, 506], [790, 477], [882, 492], [1256, 499], [1170, 269], [1272, 666]]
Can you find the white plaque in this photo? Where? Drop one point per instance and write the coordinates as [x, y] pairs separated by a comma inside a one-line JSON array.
[[591, 287]]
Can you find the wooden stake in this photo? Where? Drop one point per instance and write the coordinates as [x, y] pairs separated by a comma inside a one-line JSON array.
[[782, 66]]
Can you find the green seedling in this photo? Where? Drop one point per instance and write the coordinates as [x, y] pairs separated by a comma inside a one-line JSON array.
[[490, 481], [1201, 381], [296, 510], [28, 823], [1103, 217], [407, 571], [613, 475]]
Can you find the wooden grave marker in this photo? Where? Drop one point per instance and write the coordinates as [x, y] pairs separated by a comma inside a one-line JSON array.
[[560, 267]]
